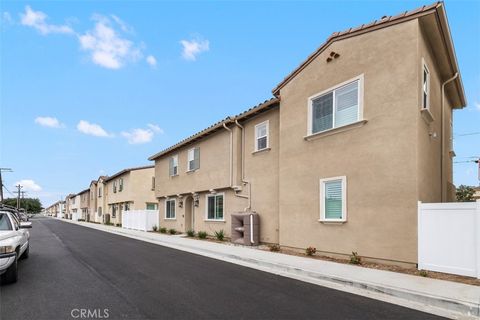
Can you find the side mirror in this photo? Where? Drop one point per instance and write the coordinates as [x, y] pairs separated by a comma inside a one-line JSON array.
[[25, 225]]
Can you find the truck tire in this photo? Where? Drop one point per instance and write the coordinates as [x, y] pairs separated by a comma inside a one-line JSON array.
[[26, 252], [11, 275]]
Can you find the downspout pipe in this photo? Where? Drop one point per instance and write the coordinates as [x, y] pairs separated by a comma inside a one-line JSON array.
[[231, 153], [442, 161], [244, 181]]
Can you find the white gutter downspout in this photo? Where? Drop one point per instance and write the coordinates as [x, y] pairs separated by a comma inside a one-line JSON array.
[[442, 174], [245, 182], [231, 153]]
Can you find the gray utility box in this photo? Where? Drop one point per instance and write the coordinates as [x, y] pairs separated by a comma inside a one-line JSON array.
[[246, 228]]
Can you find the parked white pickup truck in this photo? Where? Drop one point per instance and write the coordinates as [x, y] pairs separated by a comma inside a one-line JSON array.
[[14, 244]]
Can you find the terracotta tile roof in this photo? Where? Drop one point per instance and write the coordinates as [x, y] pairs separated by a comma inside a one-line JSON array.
[[384, 21], [266, 105], [119, 173]]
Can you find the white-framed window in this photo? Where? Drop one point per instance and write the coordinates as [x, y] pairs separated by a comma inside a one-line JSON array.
[[193, 159], [151, 206], [114, 186], [173, 166], [120, 185], [336, 107], [153, 183], [214, 206], [425, 86], [170, 209], [261, 136], [126, 206], [99, 192], [333, 199]]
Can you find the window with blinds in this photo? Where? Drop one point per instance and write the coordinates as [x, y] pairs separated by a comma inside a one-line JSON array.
[[194, 159], [261, 136], [335, 108], [426, 87], [170, 209], [215, 207], [333, 199], [173, 166]]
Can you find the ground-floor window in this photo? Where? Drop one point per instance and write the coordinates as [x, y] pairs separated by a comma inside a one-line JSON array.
[[170, 208], [126, 206], [333, 199], [114, 210], [152, 206], [215, 207]]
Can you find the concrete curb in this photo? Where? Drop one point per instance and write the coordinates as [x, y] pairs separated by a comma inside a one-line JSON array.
[[431, 303]]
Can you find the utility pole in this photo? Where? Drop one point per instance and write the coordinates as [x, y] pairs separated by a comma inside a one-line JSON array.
[[1, 182], [19, 187]]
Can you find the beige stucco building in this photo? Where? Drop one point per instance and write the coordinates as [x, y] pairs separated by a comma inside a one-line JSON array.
[[84, 206], [129, 189], [338, 159]]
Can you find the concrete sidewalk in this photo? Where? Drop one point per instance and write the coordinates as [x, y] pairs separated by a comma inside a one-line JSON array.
[[444, 298]]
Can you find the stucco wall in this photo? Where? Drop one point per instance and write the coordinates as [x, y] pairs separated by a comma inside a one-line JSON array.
[[378, 158]]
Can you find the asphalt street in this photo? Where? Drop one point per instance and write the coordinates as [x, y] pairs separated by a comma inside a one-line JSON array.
[[74, 269]]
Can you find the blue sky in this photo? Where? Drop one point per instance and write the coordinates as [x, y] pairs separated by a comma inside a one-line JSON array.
[[89, 88]]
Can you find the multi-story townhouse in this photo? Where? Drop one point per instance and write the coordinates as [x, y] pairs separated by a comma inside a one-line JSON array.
[[92, 204], [371, 108], [101, 200], [130, 189], [69, 205], [84, 203]]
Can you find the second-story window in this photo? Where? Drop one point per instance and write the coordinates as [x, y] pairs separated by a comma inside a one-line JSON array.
[[335, 107], [99, 192], [153, 183], [261, 136], [173, 166], [425, 87], [194, 159], [114, 186], [120, 185]]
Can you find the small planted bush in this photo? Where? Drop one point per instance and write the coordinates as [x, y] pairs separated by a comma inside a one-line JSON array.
[[191, 233], [163, 230], [355, 258], [172, 231], [202, 234], [274, 247], [310, 251], [423, 273], [155, 228], [220, 235]]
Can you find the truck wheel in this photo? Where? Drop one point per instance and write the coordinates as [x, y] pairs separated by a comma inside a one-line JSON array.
[[11, 275], [26, 252]]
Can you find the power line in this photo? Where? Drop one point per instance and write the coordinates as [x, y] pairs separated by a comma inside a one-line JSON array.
[[466, 134]]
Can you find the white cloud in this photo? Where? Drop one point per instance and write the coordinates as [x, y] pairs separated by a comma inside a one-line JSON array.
[[37, 20], [92, 129], [50, 122], [125, 27], [140, 136], [29, 185], [106, 46], [152, 61], [477, 105], [6, 18], [155, 128], [193, 48]]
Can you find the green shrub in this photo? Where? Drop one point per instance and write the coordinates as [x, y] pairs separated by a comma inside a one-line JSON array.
[[202, 234], [310, 251], [423, 273], [191, 233], [119, 225], [163, 230], [355, 258], [155, 228], [172, 231], [274, 247], [220, 235]]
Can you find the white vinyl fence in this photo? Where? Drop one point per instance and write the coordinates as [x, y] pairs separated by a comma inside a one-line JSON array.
[[76, 216], [449, 237], [143, 220]]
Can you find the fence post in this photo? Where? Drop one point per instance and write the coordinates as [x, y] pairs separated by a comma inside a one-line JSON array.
[[477, 232], [419, 247]]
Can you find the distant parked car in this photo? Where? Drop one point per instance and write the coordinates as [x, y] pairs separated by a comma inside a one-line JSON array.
[[14, 245]]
